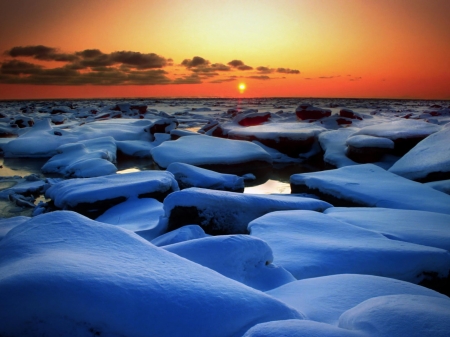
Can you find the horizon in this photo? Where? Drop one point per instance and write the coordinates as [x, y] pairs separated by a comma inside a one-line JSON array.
[[386, 49]]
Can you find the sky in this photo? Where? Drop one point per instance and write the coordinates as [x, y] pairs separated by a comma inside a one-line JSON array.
[[215, 48]]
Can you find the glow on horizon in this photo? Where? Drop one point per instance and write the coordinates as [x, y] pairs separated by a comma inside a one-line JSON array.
[[342, 48]]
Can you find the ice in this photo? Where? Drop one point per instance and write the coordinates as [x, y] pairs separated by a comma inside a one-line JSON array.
[[204, 150], [324, 299], [311, 244], [429, 160], [63, 274], [371, 186], [192, 176], [185, 233], [88, 193], [228, 212], [242, 258], [424, 228], [399, 315], [138, 215], [84, 159]]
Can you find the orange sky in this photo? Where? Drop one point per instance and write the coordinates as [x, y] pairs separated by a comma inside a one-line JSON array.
[[327, 48]]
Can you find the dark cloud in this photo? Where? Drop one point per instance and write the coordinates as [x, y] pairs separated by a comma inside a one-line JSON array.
[[220, 67], [264, 70], [238, 64], [260, 77], [328, 77], [223, 80], [288, 71], [15, 67], [191, 79], [138, 60], [40, 52], [355, 79], [195, 62]]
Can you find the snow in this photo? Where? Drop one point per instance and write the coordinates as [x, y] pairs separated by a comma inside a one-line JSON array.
[[138, 215], [421, 227], [441, 185], [229, 212], [333, 143], [276, 131], [84, 159], [63, 274], [369, 185], [192, 176], [9, 223], [402, 128], [213, 151], [185, 233], [69, 193], [431, 155], [141, 148], [324, 299], [242, 258], [311, 244], [399, 315], [361, 141]]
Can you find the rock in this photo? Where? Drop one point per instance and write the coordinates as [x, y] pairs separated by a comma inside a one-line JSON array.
[[251, 119], [368, 149], [307, 111], [347, 113]]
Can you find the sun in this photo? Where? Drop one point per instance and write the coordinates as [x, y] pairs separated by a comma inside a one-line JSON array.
[[242, 87]]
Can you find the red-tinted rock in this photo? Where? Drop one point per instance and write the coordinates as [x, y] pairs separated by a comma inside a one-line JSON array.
[[307, 111], [141, 108], [347, 113], [252, 119]]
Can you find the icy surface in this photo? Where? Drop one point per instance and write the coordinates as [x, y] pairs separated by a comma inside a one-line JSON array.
[[243, 258], [192, 176], [275, 131], [324, 299], [311, 244], [402, 128], [369, 185], [361, 141], [424, 228], [213, 151], [7, 224], [63, 274], [185, 233], [431, 155], [138, 215]]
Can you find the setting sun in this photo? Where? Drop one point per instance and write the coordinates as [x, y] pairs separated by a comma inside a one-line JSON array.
[[242, 87]]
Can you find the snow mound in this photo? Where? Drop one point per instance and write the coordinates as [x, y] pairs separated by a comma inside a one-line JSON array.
[[191, 176], [399, 315], [228, 212], [9, 223], [324, 299], [185, 233], [138, 215], [63, 274], [311, 244], [141, 148], [242, 258], [333, 143], [421, 227], [361, 141], [369, 185], [84, 159], [429, 160]]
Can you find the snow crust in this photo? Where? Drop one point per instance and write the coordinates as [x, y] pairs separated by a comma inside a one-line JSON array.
[[116, 284], [311, 244], [372, 186], [185, 233], [274, 131], [401, 128], [361, 141]]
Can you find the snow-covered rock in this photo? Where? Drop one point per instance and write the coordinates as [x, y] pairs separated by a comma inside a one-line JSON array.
[[333, 143], [222, 155], [141, 148], [325, 299], [371, 186], [243, 258], [421, 227], [92, 196], [191, 176], [399, 315], [311, 244], [185, 233], [429, 160], [6, 224], [84, 159], [228, 212], [368, 149], [63, 274], [138, 215]]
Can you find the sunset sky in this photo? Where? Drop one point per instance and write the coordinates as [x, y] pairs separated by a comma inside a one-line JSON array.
[[207, 48]]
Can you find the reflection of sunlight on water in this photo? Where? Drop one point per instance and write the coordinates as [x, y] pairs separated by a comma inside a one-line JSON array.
[[130, 170], [270, 186]]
